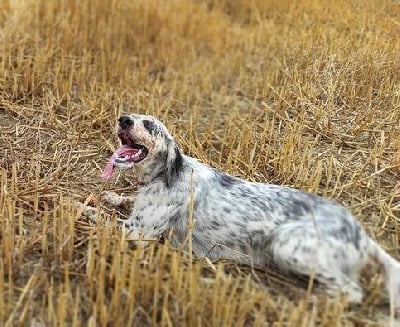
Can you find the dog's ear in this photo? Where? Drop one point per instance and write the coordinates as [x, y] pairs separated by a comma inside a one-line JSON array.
[[174, 164]]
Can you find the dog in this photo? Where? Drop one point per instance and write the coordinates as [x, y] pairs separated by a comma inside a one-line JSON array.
[[231, 218]]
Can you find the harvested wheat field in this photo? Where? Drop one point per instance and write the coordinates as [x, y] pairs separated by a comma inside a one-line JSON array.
[[300, 93]]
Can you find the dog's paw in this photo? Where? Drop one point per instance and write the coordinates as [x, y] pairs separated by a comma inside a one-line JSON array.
[[111, 198], [87, 211], [115, 200]]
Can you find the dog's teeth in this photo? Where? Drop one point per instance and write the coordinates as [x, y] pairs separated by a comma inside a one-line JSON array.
[[121, 159]]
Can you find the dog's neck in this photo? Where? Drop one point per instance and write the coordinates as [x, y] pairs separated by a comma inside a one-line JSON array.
[[144, 180], [164, 170]]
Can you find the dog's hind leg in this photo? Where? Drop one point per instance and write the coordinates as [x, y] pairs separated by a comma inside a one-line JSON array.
[[299, 249], [337, 283]]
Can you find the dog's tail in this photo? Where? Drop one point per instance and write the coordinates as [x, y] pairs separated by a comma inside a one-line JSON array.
[[392, 272]]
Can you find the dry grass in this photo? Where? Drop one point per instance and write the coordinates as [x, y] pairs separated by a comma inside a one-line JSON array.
[[303, 93]]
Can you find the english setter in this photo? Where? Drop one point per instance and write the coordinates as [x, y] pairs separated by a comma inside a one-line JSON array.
[[236, 219]]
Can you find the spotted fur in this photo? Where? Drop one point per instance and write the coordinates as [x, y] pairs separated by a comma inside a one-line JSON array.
[[300, 232]]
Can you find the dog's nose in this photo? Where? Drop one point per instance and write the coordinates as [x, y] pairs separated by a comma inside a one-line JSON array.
[[125, 121]]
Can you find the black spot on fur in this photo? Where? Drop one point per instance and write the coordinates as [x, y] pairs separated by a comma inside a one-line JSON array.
[[150, 126], [349, 232], [226, 180], [357, 237], [259, 233], [121, 223], [124, 223], [299, 208], [174, 167], [175, 219], [216, 224]]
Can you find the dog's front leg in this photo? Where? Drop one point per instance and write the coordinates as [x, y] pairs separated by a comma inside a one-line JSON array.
[[109, 198], [118, 201]]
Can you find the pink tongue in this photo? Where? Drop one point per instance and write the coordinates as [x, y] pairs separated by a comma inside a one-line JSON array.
[[123, 151]]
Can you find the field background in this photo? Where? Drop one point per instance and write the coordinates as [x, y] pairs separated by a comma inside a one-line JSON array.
[[302, 93]]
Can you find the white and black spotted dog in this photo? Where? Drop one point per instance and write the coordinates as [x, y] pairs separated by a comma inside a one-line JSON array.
[[236, 219]]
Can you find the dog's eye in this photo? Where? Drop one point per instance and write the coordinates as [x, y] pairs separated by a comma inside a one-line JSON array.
[[149, 125]]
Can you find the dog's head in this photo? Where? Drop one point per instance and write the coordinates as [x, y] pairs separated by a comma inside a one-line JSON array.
[[149, 148]]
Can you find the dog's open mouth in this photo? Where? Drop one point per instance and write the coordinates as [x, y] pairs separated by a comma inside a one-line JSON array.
[[129, 153], [132, 153]]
